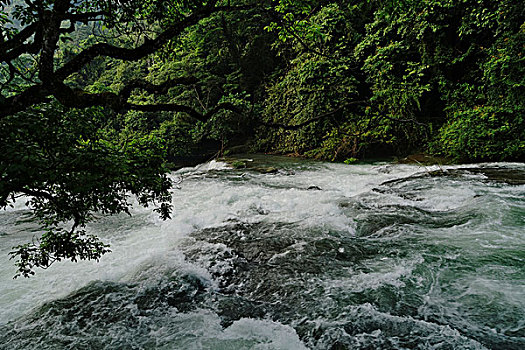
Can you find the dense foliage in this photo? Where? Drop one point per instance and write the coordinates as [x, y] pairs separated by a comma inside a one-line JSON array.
[[96, 96], [436, 75]]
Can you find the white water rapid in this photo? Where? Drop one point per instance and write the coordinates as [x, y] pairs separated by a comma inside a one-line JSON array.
[[308, 255]]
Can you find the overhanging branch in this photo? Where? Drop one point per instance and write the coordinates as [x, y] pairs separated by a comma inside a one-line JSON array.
[[147, 48], [44, 41], [155, 89]]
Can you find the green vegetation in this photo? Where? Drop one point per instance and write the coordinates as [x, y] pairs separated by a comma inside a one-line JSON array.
[[70, 164], [97, 98], [439, 76]]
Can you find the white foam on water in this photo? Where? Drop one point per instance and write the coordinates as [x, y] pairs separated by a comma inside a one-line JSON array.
[[201, 202], [214, 195], [202, 330], [381, 272]]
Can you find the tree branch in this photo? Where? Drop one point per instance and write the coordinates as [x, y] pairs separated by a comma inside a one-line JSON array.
[[18, 39], [84, 17], [52, 82], [147, 48], [155, 89]]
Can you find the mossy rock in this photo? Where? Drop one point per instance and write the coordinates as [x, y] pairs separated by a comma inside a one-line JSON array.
[[266, 170]]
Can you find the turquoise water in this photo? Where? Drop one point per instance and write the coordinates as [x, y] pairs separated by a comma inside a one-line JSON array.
[[313, 256]]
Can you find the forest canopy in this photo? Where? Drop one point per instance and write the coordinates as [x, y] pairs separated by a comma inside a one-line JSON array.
[[98, 98]]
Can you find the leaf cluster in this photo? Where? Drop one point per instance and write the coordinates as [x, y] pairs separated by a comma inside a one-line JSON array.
[[70, 165]]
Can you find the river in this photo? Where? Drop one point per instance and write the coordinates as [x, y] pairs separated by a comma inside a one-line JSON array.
[[308, 255]]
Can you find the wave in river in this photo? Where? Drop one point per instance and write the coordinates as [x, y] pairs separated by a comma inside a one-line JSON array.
[[313, 255]]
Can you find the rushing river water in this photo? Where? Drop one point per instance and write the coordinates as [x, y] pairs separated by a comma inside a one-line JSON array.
[[312, 256]]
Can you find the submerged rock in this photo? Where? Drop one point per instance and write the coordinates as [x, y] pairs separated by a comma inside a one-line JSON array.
[[488, 174], [506, 175]]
